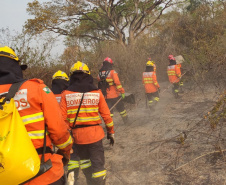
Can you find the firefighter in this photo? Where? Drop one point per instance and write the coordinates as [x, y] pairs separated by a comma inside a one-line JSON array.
[[81, 104], [60, 82], [151, 85], [114, 88], [174, 74], [38, 108]]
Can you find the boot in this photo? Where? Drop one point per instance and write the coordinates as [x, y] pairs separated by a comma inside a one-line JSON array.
[[125, 119], [152, 108], [99, 181]]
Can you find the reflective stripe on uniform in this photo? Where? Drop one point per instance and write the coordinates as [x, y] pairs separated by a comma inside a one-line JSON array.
[[156, 98], [82, 110], [119, 86], [73, 164], [148, 82], [111, 115], [150, 102], [85, 163], [111, 83], [110, 124], [147, 78], [33, 118], [65, 144], [99, 174], [171, 73], [39, 134], [123, 113], [109, 80], [84, 119]]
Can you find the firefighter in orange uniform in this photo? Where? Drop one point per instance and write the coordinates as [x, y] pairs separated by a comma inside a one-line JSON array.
[[174, 74], [151, 85], [114, 89], [60, 82], [81, 104], [38, 108]]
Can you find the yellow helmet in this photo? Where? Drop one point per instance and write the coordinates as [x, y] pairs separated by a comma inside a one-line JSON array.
[[8, 52], [150, 63], [79, 66], [60, 75]]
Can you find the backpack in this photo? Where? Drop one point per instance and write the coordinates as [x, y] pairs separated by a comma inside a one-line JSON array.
[[103, 85], [19, 160]]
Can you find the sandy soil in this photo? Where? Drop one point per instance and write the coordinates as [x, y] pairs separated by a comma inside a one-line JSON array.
[[149, 150]]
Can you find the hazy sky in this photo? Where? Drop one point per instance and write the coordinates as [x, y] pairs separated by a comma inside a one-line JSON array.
[[13, 16]]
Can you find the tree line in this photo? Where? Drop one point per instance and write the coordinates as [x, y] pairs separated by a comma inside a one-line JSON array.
[[128, 31]]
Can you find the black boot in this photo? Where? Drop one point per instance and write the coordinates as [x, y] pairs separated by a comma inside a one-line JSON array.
[[99, 181], [125, 120]]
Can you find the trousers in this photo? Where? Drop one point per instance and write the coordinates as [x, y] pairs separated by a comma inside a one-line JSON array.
[[92, 162]]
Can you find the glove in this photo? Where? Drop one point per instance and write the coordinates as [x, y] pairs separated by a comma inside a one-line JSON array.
[[112, 138], [66, 157], [123, 96]]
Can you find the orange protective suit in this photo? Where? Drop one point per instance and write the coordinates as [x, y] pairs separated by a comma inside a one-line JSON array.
[[37, 106], [115, 87], [88, 118], [150, 82], [174, 73]]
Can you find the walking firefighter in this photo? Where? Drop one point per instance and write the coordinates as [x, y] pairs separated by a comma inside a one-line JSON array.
[[151, 85], [60, 82], [174, 75], [81, 105], [44, 124], [112, 88]]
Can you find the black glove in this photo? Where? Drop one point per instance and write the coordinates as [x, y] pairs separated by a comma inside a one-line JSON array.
[[112, 138], [66, 158]]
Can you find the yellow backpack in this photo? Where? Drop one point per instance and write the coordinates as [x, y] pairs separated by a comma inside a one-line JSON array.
[[19, 160]]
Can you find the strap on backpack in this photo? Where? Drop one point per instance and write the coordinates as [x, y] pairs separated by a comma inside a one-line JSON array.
[[105, 75], [12, 91], [78, 111]]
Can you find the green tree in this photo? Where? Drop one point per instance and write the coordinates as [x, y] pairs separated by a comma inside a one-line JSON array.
[[122, 21]]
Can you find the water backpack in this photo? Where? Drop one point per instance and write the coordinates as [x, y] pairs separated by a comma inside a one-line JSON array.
[[103, 85]]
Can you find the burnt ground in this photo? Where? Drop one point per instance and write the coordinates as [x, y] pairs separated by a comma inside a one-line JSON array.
[[173, 145]]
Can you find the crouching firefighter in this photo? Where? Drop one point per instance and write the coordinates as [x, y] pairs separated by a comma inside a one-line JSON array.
[[111, 88], [81, 104], [40, 113], [151, 85]]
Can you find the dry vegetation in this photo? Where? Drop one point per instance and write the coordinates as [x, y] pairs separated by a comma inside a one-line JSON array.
[[183, 141]]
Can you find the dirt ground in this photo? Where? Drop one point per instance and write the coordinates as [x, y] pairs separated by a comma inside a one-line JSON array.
[[150, 149]]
